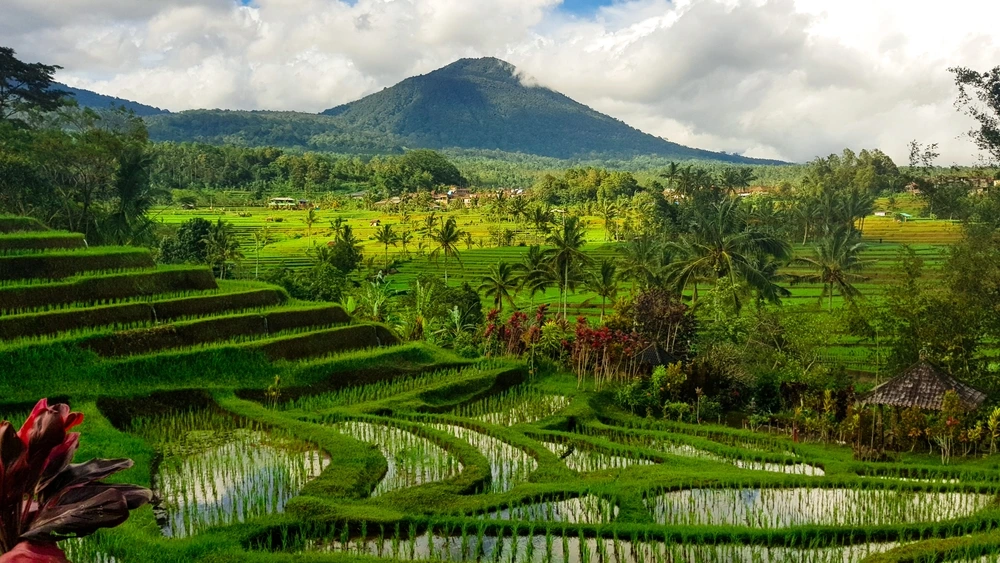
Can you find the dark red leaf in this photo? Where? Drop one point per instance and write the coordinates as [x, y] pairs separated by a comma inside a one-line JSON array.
[[32, 552], [79, 512]]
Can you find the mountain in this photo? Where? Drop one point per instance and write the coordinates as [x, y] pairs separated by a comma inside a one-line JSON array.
[[483, 104], [89, 99]]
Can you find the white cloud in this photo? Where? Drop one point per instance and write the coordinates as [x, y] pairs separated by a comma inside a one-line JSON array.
[[776, 78]]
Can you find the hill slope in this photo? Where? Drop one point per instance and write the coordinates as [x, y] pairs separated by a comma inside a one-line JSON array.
[[482, 104], [89, 99]]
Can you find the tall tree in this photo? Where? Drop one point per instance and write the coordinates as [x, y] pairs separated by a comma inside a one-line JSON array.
[[837, 262], [724, 246], [26, 87], [566, 256], [446, 240], [386, 236], [222, 246], [535, 272], [979, 97], [604, 282], [500, 284]]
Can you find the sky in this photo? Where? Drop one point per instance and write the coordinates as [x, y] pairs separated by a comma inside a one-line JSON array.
[[786, 79]]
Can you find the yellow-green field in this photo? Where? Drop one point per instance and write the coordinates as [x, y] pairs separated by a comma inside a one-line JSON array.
[[292, 240]]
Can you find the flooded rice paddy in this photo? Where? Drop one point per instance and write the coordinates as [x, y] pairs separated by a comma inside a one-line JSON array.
[[777, 508], [412, 460]]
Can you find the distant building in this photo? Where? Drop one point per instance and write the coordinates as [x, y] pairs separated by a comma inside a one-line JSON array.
[[282, 203]]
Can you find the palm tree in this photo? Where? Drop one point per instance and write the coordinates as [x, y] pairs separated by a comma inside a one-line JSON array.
[[311, 219], [129, 221], [518, 208], [541, 218], [405, 238], [837, 261], [221, 246], [386, 236], [261, 238], [604, 283], [723, 246], [566, 256], [446, 239], [643, 260], [337, 226], [535, 272], [500, 284], [608, 212]]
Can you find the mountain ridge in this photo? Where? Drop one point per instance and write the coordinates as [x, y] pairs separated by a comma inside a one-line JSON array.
[[471, 104]]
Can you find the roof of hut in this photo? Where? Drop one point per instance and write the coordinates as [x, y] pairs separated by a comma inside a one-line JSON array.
[[655, 355], [923, 386]]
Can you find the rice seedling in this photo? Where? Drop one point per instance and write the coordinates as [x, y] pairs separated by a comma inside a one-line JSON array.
[[218, 470], [585, 460], [355, 395], [520, 405], [509, 465], [585, 509], [412, 460], [569, 548], [783, 507]]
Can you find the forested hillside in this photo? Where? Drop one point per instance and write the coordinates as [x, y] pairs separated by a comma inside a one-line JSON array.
[[89, 99], [482, 103]]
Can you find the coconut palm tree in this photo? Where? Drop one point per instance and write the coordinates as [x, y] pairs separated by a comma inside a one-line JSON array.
[[500, 284], [446, 240], [261, 238], [405, 238], [222, 246], [604, 282], [837, 261], [643, 260], [311, 219], [566, 257], [541, 218], [386, 236], [723, 246], [608, 211], [535, 272]]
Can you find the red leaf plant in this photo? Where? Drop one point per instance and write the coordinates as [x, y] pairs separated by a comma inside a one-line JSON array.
[[44, 498]]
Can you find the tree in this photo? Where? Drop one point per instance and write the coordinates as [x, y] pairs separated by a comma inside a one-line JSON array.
[[446, 240], [386, 236], [440, 169], [723, 246], [132, 196], [500, 284], [310, 220], [604, 282], [222, 246], [608, 211], [188, 245], [405, 238], [837, 261], [979, 98], [566, 257], [26, 87], [643, 260], [261, 238], [535, 272]]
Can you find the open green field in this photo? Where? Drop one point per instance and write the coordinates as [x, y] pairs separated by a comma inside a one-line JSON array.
[[884, 237]]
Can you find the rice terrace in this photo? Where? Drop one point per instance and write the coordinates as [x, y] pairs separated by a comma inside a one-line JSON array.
[[369, 335]]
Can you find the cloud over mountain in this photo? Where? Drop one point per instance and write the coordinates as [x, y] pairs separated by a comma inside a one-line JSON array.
[[773, 78]]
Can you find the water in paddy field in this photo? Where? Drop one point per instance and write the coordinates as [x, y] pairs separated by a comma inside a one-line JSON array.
[[221, 477], [573, 549], [583, 460], [776, 508], [412, 460], [686, 450], [509, 465], [587, 509], [526, 411]]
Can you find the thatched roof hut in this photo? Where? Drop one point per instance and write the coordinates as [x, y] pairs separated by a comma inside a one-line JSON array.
[[923, 386]]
